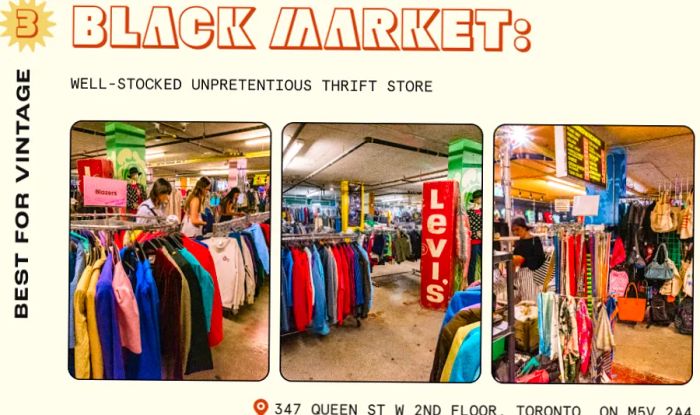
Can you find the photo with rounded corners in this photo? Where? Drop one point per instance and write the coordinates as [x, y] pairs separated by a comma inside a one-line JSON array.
[[169, 259], [381, 252], [593, 254]]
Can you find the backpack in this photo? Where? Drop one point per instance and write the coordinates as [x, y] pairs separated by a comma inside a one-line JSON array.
[[684, 316], [661, 312]]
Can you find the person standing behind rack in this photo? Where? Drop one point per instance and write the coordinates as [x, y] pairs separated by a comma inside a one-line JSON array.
[[229, 204], [192, 223], [156, 203], [529, 256]]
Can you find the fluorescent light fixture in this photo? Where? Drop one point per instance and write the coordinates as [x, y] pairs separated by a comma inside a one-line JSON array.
[[292, 152], [154, 154], [214, 172], [258, 141], [568, 187]]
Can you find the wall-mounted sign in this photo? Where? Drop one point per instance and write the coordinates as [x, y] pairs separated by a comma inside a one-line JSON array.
[[580, 154], [104, 192], [260, 179], [436, 265]]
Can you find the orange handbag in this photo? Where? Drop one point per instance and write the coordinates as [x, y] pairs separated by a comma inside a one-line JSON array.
[[631, 308]]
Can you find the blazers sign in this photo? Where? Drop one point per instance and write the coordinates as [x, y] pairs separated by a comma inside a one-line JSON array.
[[439, 199]]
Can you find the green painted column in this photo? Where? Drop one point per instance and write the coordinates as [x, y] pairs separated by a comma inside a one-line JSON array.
[[465, 165], [126, 147]]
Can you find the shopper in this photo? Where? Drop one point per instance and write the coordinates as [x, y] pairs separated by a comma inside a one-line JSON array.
[[156, 203], [135, 193], [229, 204], [192, 223], [529, 256]]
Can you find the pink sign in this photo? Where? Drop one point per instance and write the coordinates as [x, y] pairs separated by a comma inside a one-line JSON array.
[[104, 192]]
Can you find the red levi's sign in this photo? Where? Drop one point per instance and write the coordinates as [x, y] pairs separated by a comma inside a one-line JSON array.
[[436, 262]]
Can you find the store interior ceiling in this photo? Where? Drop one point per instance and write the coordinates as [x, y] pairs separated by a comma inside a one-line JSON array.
[[392, 160], [189, 149], [656, 157]]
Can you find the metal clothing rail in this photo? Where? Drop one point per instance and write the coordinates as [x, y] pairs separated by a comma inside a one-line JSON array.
[[319, 237], [119, 225], [240, 222]]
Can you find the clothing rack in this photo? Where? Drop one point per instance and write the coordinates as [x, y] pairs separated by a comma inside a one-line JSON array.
[[221, 228], [119, 221], [319, 237]]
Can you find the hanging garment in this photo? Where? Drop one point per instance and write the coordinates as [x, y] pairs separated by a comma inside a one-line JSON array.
[[251, 284], [585, 335], [107, 324], [199, 356], [331, 274], [525, 283], [261, 250], [206, 284], [78, 273], [463, 318], [96, 361], [568, 335], [320, 318], [230, 268], [169, 284], [459, 337], [546, 304], [302, 291], [127, 310], [467, 365], [147, 366], [202, 254]]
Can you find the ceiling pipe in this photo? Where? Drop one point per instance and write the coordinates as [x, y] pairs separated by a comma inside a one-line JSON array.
[[381, 142], [442, 176], [367, 140], [324, 167], [180, 140], [404, 179]]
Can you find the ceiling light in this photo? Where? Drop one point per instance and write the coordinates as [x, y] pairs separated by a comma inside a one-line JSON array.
[[258, 141], [214, 172], [292, 152], [154, 154], [519, 135]]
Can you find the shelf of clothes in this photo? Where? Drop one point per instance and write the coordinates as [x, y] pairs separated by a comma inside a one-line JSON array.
[[323, 284], [150, 305], [457, 356]]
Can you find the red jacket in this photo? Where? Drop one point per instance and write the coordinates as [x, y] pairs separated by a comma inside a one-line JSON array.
[[216, 334], [301, 289]]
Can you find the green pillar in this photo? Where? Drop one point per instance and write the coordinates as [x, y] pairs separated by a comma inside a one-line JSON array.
[[465, 165], [126, 147]]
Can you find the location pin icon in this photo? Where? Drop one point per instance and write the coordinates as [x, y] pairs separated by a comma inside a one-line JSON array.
[[260, 406]]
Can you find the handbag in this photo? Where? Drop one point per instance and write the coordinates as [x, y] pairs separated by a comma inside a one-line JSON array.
[[631, 309], [686, 227], [661, 220], [617, 282], [656, 271]]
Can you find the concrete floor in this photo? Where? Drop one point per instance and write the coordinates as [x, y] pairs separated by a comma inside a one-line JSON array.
[[658, 351], [243, 354], [396, 342]]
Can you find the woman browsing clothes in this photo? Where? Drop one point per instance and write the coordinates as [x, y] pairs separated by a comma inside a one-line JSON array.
[[156, 203], [193, 223], [230, 205], [529, 256]]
